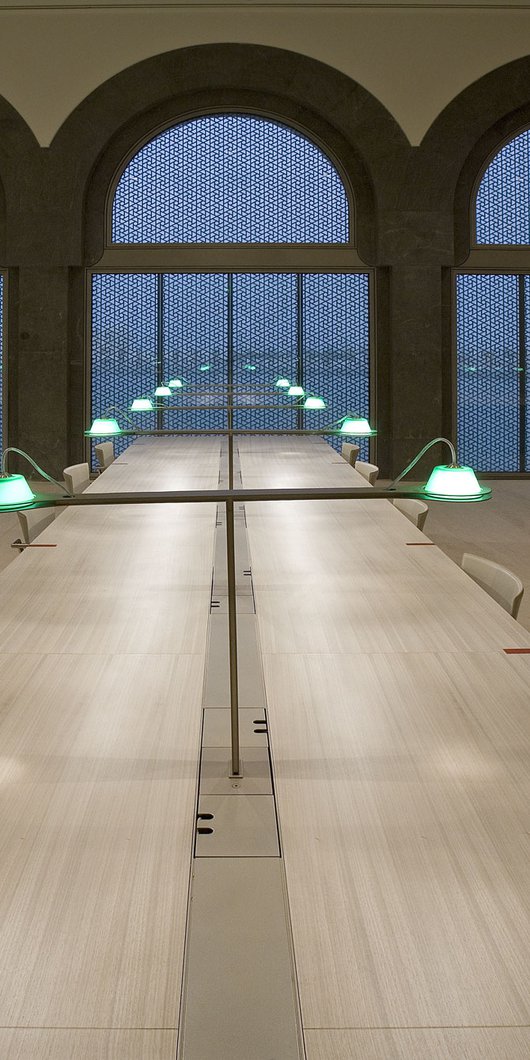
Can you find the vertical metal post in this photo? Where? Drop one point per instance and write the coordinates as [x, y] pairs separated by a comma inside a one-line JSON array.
[[230, 380], [232, 638], [159, 344], [299, 345]]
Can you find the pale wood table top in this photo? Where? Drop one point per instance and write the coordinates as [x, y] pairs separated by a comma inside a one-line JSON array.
[[101, 673], [400, 735]]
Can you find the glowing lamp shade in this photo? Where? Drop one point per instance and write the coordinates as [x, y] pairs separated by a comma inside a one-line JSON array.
[[175, 383], [455, 484], [314, 403], [295, 391], [163, 391], [356, 425], [281, 382], [104, 425], [142, 405], [14, 493]]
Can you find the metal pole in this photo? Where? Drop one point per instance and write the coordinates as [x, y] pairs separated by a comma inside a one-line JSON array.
[[232, 638]]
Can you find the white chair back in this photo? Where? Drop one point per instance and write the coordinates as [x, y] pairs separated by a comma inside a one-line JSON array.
[[350, 452], [76, 477], [104, 455], [368, 471], [415, 510], [501, 584], [34, 521]]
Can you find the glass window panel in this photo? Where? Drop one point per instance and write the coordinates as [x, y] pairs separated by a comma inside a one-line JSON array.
[[124, 344], [265, 339], [503, 200], [336, 347], [194, 330], [230, 179], [488, 372], [147, 328]]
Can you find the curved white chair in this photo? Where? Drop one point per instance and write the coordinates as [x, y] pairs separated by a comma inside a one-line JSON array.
[[368, 471], [76, 477], [350, 452], [104, 455], [34, 521], [415, 510], [501, 584]]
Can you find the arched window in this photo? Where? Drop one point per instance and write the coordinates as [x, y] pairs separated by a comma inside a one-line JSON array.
[[503, 197], [230, 178], [230, 254], [493, 319]]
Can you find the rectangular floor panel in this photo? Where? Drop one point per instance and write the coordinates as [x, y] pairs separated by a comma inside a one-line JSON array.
[[418, 1043], [56, 1043], [239, 827], [240, 999], [217, 688]]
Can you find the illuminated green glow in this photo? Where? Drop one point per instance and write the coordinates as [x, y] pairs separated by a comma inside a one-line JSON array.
[[357, 425], [295, 391], [105, 425], [15, 493], [282, 382], [204, 368], [314, 403], [175, 383], [250, 367], [163, 391], [142, 405], [455, 483]]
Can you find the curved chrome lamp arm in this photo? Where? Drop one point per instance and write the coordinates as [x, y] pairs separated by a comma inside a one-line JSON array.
[[418, 457], [121, 412], [13, 449]]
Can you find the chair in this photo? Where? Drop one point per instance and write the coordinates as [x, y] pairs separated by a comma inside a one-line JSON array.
[[76, 477], [104, 455], [501, 584], [368, 471], [34, 521], [350, 452], [415, 510]]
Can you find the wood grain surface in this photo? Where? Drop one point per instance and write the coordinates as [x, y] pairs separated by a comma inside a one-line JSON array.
[[400, 737], [101, 675]]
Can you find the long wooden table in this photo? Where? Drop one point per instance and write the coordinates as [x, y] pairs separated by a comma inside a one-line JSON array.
[[400, 733], [102, 643]]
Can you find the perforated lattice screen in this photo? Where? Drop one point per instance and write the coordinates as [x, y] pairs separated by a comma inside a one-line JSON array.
[[490, 363], [314, 328], [503, 200], [264, 341], [124, 343], [336, 347], [230, 179]]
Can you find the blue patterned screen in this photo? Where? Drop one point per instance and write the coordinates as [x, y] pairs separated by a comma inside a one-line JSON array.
[[265, 321], [124, 343], [194, 338], [230, 179], [503, 200], [2, 439], [336, 347], [488, 372], [147, 328]]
